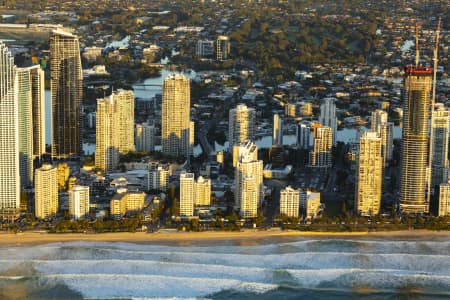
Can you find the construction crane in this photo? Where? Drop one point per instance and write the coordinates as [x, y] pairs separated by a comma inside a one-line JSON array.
[[417, 44], [433, 100]]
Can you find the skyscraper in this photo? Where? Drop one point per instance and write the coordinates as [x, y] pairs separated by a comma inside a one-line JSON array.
[[277, 138], [187, 194], [289, 202], [241, 125], [124, 119], [79, 202], [248, 180], [38, 103], [46, 191], [439, 157], [369, 175], [66, 92], [328, 116], [114, 128], [24, 98], [175, 123], [106, 144], [320, 156], [416, 106], [385, 130], [9, 134]]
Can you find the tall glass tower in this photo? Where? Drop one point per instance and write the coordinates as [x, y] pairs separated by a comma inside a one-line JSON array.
[[9, 134], [66, 92], [416, 106]]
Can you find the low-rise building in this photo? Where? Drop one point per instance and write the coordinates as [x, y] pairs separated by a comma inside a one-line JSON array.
[[444, 199], [125, 202], [310, 205]]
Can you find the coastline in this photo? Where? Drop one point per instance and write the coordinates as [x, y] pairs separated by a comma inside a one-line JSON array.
[[248, 236]]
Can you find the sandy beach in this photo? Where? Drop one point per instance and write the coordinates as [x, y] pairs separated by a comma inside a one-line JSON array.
[[34, 238]]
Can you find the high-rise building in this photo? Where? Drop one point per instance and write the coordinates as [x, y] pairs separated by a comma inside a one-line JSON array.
[[249, 196], [387, 140], [205, 48], [289, 202], [79, 202], [106, 144], [369, 175], [46, 191], [277, 138], [9, 134], [38, 109], [303, 134], [439, 156], [385, 130], [24, 98], [248, 180], [202, 195], [320, 156], [66, 92], [416, 106], [114, 129], [444, 199], [145, 137], [241, 125], [378, 117], [124, 119], [328, 116], [222, 48], [158, 176], [246, 150], [191, 136], [175, 123], [187, 194]]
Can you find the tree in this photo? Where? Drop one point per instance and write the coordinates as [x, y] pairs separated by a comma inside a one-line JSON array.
[[98, 226], [175, 209], [194, 225], [260, 219]]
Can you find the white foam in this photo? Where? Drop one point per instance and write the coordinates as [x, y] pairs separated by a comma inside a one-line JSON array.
[[119, 286], [122, 270]]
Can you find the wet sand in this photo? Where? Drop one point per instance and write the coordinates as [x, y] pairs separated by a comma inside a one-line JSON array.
[[35, 238]]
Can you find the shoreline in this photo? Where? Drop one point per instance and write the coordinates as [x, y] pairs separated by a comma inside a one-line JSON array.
[[169, 237]]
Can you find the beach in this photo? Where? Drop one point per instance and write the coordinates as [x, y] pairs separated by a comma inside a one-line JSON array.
[[36, 238]]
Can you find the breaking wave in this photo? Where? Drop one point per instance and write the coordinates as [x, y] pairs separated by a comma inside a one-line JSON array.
[[123, 270]]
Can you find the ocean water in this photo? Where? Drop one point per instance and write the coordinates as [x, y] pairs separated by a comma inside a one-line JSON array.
[[270, 269]]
